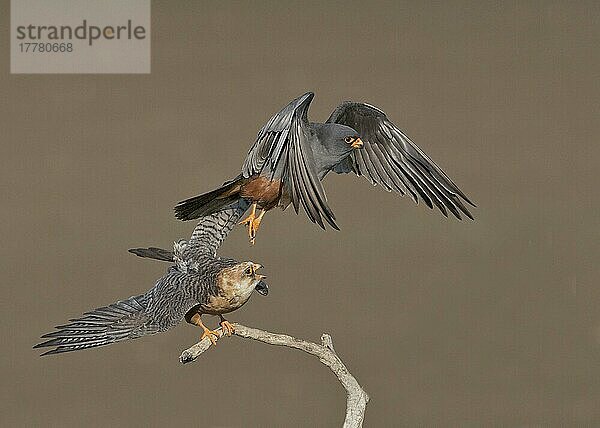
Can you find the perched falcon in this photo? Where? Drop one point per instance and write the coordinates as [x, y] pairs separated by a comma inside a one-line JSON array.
[[291, 156], [198, 283]]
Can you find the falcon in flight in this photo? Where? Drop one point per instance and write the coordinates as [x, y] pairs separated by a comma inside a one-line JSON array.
[[198, 283], [292, 155]]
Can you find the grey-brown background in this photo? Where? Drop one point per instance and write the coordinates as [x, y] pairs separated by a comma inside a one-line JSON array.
[[445, 323]]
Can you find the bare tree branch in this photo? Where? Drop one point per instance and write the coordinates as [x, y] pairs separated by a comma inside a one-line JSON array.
[[356, 397]]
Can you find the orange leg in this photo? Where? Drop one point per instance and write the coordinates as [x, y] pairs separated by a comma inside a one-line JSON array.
[[249, 220], [213, 335], [226, 326], [253, 223], [256, 225]]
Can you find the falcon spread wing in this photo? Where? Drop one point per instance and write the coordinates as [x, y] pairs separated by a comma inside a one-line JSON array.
[[282, 151], [390, 159], [212, 230], [119, 321], [206, 238]]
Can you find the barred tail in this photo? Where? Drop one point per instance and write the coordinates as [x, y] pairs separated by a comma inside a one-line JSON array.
[[211, 202], [119, 321]]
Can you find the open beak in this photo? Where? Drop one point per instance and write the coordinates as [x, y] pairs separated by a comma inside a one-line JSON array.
[[262, 288], [357, 144], [255, 267]]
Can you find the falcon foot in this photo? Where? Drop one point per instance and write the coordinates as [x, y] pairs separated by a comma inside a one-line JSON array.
[[253, 223], [227, 327], [213, 335]]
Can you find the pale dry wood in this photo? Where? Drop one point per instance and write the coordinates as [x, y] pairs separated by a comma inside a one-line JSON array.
[[356, 397]]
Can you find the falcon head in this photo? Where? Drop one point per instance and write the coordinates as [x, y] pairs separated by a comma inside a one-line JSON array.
[[338, 140], [248, 279]]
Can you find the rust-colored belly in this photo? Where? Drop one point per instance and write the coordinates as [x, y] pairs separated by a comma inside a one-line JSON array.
[[264, 192]]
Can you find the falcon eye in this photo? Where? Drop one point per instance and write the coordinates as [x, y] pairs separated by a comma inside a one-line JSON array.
[[349, 139], [249, 271]]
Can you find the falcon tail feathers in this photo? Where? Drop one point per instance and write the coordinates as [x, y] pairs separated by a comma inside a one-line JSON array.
[[211, 202], [119, 321], [153, 253]]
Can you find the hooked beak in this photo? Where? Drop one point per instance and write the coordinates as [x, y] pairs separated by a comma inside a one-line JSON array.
[[357, 144], [255, 267], [262, 287]]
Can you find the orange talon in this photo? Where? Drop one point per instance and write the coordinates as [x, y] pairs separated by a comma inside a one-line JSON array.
[[250, 222], [212, 335], [227, 327], [253, 223]]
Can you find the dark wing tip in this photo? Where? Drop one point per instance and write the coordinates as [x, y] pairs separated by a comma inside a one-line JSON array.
[[305, 101], [330, 217], [458, 208], [462, 195], [47, 344], [468, 213], [152, 253], [53, 352], [180, 213]]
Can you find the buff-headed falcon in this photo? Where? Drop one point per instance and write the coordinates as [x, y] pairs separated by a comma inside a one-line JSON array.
[[199, 282]]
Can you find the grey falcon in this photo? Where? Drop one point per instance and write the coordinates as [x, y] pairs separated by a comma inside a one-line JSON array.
[[291, 156], [199, 282]]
